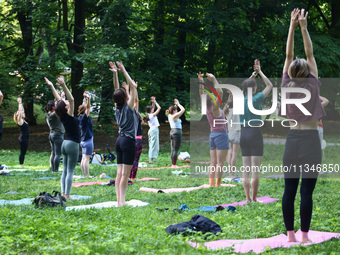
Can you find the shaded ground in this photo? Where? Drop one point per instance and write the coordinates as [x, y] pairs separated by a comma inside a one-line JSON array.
[[39, 138], [39, 135]]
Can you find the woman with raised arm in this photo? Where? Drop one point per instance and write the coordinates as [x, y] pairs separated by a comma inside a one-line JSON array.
[[19, 118], [153, 133], [127, 121], [57, 130], [176, 129], [251, 141], [70, 147], [218, 140], [86, 134], [303, 149], [234, 133]]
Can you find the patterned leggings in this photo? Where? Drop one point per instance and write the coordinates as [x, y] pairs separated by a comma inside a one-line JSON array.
[[135, 162]]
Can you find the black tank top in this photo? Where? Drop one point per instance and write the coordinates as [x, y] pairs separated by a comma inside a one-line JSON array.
[[24, 132]]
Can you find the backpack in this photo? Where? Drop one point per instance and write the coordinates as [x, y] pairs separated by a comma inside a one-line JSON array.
[[46, 199]]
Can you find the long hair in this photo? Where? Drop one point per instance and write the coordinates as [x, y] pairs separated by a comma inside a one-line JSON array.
[[120, 98], [49, 106], [17, 116], [297, 69], [60, 109], [248, 83], [81, 109], [148, 110], [229, 105]]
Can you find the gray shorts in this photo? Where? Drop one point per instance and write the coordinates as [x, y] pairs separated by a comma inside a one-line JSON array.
[[234, 136]]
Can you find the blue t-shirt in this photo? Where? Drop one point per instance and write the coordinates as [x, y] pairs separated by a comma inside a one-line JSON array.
[[71, 125], [248, 115], [85, 125]]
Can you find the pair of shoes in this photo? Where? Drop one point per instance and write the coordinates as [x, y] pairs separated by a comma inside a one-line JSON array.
[[231, 208]]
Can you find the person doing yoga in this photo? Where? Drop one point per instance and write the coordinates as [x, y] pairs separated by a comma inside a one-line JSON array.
[[251, 141], [70, 146], [127, 121], [19, 118], [303, 150]]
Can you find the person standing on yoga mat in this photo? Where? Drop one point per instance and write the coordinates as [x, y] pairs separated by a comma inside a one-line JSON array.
[[218, 140], [19, 118], [153, 133], [176, 129], [70, 146], [303, 150], [234, 133], [127, 121], [57, 130], [86, 135], [251, 141]]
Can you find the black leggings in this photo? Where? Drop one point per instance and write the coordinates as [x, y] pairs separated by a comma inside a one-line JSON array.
[[302, 155], [23, 150], [176, 138]]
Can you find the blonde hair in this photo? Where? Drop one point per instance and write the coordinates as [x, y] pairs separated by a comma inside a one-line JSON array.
[[17, 116], [297, 69]]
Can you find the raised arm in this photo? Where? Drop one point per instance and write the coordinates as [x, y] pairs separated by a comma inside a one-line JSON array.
[[176, 116], [219, 91], [87, 103], [324, 101], [60, 82], [269, 85], [154, 102], [1, 97], [132, 84], [114, 69], [200, 77], [21, 112], [290, 39], [137, 101], [54, 91], [307, 43]]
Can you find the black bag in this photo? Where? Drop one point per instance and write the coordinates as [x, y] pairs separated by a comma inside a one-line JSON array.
[[197, 223], [46, 199]]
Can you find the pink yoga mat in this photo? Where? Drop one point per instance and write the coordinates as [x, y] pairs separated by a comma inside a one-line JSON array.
[[204, 186], [76, 185], [261, 244], [164, 167], [148, 179], [264, 200]]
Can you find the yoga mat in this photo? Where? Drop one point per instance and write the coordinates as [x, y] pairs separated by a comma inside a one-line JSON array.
[[132, 203], [148, 179], [12, 192], [261, 244], [204, 186], [76, 185], [28, 201], [44, 178], [274, 176], [23, 170], [264, 200], [164, 167]]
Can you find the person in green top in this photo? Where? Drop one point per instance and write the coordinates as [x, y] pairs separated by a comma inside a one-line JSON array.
[[251, 141]]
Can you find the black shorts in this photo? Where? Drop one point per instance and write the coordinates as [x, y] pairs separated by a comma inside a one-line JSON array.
[[251, 141], [125, 149]]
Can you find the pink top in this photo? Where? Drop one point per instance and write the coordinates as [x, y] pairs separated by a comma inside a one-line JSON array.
[[313, 105], [220, 125]]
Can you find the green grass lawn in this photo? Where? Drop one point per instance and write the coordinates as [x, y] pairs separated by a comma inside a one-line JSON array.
[[30, 230]]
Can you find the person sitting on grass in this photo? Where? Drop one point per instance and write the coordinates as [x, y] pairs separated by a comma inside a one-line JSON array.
[[176, 129], [19, 118]]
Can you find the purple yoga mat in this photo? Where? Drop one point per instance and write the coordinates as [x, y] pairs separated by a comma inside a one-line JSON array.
[[264, 200], [261, 244]]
